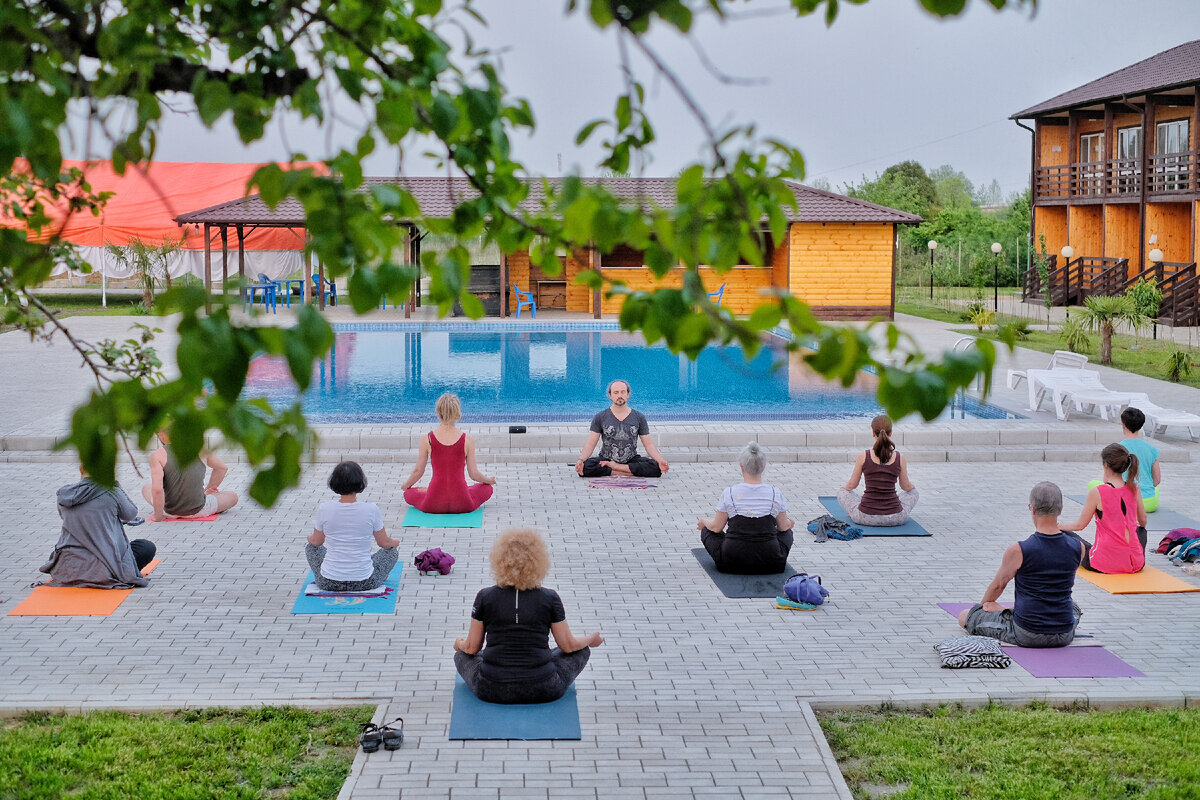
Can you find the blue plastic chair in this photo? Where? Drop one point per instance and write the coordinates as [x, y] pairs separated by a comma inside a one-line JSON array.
[[330, 293], [525, 300], [716, 296], [269, 294]]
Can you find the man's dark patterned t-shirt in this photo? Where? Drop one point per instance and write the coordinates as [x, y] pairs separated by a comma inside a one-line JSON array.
[[619, 437]]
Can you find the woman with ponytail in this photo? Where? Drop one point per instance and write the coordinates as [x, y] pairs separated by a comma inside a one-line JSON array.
[[881, 468], [1120, 517]]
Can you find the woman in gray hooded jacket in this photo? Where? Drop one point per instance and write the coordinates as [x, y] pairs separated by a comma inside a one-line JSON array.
[[92, 550]]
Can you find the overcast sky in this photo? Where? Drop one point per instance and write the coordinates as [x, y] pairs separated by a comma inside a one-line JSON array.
[[886, 83]]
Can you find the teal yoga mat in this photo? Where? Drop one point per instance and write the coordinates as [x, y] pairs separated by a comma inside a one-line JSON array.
[[349, 604], [415, 518], [1162, 520], [471, 718], [910, 528], [739, 586]]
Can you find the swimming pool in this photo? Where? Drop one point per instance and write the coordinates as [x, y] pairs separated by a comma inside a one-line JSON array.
[[557, 372]]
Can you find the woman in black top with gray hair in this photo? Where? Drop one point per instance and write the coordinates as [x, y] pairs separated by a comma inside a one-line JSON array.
[[515, 618]]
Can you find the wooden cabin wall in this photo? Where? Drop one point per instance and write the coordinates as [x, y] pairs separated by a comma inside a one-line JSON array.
[[1052, 136], [779, 263], [1086, 230], [1172, 224], [843, 270], [1050, 222], [1121, 229], [743, 285]]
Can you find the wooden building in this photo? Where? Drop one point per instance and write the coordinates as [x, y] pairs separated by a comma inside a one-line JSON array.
[[838, 254], [1116, 183]]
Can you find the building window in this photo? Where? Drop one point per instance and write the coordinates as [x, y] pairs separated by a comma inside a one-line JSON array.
[[1128, 166], [1173, 159], [1091, 162]]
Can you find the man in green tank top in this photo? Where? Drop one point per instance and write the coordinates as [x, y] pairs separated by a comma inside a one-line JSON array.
[[177, 490]]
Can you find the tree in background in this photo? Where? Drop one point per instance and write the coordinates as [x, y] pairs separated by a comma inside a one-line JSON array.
[[150, 262], [120, 64]]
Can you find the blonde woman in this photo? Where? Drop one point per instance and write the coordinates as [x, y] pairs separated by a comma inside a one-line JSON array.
[[450, 450], [515, 618]]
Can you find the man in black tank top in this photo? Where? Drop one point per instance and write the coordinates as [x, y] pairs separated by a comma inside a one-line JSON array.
[[179, 490], [1043, 566]]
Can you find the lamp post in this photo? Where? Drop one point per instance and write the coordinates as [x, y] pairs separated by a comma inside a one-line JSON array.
[[1156, 257], [1067, 253], [996, 248], [932, 247]]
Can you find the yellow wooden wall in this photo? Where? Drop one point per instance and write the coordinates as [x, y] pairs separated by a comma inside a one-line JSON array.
[[1172, 224], [1087, 230], [779, 263], [1121, 230], [842, 269], [1052, 136], [743, 285], [522, 273], [1050, 222], [1195, 232]]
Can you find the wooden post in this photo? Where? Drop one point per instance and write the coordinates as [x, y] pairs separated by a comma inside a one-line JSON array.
[[594, 263], [241, 234], [224, 261], [1072, 160], [306, 285], [1148, 142], [1108, 154], [503, 286], [320, 286], [207, 267]]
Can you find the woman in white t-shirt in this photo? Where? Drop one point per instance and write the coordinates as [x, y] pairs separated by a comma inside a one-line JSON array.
[[759, 533], [339, 549]]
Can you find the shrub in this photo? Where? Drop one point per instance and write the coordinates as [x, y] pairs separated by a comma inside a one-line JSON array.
[[1074, 335], [973, 309], [1178, 365], [982, 318], [1013, 329]]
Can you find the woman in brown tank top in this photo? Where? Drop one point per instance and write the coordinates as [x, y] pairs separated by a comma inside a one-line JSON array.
[[882, 468]]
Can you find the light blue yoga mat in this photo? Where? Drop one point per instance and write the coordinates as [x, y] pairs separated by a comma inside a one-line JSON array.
[[416, 518], [910, 528], [471, 718], [1162, 520], [350, 605]]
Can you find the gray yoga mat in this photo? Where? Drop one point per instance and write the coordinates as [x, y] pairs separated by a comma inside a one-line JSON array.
[[768, 586], [1162, 520]]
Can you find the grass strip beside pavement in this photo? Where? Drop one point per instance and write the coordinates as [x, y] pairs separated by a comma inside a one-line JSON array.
[[1032, 753], [267, 752]]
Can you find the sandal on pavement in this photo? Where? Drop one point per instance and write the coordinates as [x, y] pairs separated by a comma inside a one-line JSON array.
[[393, 737], [371, 737]]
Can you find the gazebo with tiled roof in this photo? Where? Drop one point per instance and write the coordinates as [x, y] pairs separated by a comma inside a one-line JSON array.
[[839, 253]]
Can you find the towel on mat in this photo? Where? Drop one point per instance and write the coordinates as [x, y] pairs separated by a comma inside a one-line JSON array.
[[827, 526]]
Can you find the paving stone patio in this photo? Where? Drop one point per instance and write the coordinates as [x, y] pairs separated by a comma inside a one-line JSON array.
[[692, 695]]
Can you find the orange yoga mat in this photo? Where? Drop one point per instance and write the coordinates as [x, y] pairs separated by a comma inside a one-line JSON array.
[[73, 601], [1148, 581]]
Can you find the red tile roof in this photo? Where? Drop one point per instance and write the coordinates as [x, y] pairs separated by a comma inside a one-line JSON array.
[[1179, 66], [438, 197]]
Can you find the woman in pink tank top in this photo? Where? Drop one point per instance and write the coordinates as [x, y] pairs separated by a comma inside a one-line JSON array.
[[1116, 504], [451, 451]]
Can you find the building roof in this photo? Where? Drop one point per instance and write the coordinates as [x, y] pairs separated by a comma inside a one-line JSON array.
[[1179, 66], [437, 198]]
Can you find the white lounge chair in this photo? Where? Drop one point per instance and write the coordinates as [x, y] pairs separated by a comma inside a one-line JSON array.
[[1078, 387], [1061, 359], [1158, 419]]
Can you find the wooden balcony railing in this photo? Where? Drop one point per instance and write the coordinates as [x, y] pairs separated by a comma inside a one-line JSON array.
[[1176, 173]]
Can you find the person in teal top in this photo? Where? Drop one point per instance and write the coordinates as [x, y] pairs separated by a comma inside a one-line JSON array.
[[1149, 474]]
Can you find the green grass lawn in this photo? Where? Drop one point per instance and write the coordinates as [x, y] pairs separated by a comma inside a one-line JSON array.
[[278, 753], [1034, 753]]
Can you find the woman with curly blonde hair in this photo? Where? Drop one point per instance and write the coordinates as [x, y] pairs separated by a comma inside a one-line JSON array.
[[516, 617]]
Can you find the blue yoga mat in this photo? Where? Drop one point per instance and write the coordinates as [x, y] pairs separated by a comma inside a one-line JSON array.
[[910, 528], [471, 718], [740, 586], [415, 518], [350, 605], [1162, 520]]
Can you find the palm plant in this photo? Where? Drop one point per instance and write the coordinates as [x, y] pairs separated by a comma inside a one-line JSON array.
[[1104, 314]]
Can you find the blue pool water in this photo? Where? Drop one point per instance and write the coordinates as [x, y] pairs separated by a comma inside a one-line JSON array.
[[380, 373]]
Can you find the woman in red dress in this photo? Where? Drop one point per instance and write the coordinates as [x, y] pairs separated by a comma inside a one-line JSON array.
[[451, 451]]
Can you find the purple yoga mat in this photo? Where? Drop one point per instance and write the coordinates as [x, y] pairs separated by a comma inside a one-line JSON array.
[[954, 609], [1071, 662]]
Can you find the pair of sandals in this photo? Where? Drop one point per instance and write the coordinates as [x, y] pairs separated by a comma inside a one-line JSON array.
[[373, 736]]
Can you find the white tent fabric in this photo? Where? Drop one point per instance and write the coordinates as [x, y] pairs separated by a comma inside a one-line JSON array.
[[275, 264]]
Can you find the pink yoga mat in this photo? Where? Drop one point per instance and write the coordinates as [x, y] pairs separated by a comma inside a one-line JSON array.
[[957, 608], [1071, 662]]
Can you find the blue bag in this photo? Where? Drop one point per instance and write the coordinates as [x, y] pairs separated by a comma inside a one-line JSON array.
[[805, 588]]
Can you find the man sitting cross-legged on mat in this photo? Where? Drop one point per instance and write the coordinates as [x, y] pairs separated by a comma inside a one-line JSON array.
[[178, 490], [339, 548], [92, 550], [1044, 615], [515, 618], [759, 534], [618, 428]]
